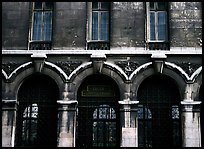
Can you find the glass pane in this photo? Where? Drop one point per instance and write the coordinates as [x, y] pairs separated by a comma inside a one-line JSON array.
[[162, 26], [110, 134], [48, 5], [47, 26], [95, 26], [104, 26], [152, 26], [29, 128], [38, 5], [37, 26], [161, 5], [105, 5], [152, 6], [94, 5]]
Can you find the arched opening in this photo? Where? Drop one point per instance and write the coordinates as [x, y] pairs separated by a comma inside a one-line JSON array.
[[37, 112], [159, 113], [202, 115], [98, 113]]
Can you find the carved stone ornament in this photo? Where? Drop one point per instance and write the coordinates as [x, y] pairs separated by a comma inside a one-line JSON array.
[[188, 67], [9, 67], [127, 66], [69, 66]]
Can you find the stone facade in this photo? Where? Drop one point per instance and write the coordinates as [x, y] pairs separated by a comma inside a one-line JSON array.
[[128, 63]]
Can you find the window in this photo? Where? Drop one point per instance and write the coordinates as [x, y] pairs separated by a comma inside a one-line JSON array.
[[98, 31], [157, 26], [41, 32]]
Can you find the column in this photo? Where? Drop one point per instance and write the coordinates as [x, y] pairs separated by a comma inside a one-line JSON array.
[[190, 119], [8, 122], [128, 114], [67, 123]]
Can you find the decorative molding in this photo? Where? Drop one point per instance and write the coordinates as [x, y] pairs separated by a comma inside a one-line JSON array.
[[69, 66], [128, 66], [9, 67], [188, 67]]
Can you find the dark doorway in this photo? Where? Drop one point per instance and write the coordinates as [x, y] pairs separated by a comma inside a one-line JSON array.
[[37, 112], [159, 113], [98, 113]]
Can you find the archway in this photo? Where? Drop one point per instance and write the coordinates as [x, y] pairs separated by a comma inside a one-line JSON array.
[[37, 112], [159, 113], [98, 113]]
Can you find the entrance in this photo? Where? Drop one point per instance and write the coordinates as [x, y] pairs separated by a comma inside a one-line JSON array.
[[159, 113], [37, 112], [98, 113]]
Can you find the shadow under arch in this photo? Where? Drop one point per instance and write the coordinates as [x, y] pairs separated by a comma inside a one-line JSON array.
[[36, 122], [98, 121], [159, 112]]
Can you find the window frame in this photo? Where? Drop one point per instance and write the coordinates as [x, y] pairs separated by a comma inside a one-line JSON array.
[[43, 10], [156, 11], [90, 20]]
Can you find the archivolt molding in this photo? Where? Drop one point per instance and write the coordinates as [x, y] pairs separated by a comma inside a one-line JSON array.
[[134, 73], [79, 69], [15, 71], [117, 68], [58, 69], [183, 73]]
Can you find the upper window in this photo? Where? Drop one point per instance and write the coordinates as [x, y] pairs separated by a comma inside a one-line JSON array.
[[157, 25], [41, 32], [98, 30]]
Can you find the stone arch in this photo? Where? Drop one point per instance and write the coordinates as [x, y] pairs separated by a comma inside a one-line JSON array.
[[97, 93], [159, 95], [87, 70], [148, 70], [37, 99], [20, 77]]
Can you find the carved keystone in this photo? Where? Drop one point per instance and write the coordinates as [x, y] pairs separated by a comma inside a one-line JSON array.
[[97, 61], [38, 60]]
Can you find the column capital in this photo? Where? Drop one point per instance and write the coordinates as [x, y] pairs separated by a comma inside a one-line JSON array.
[[190, 106], [9, 105], [128, 102], [67, 105]]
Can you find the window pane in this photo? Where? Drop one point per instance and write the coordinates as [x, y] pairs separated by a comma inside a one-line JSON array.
[[161, 5], [38, 5], [47, 26], [95, 26], [152, 26], [95, 5], [37, 26], [162, 26], [152, 6], [105, 5], [48, 5], [104, 26]]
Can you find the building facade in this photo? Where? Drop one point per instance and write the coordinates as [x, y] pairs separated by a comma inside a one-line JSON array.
[[102, 74]]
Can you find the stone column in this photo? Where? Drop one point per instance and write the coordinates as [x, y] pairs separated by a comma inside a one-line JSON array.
[[67, 123], [190, 119], [129, 124], [8, 122]]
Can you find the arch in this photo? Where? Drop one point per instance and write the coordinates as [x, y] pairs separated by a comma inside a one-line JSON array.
[[183, 73], [16, 71], [37, 98], [159, 96], [86, 70], [20, 77], [148, 71], [98, 106]]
